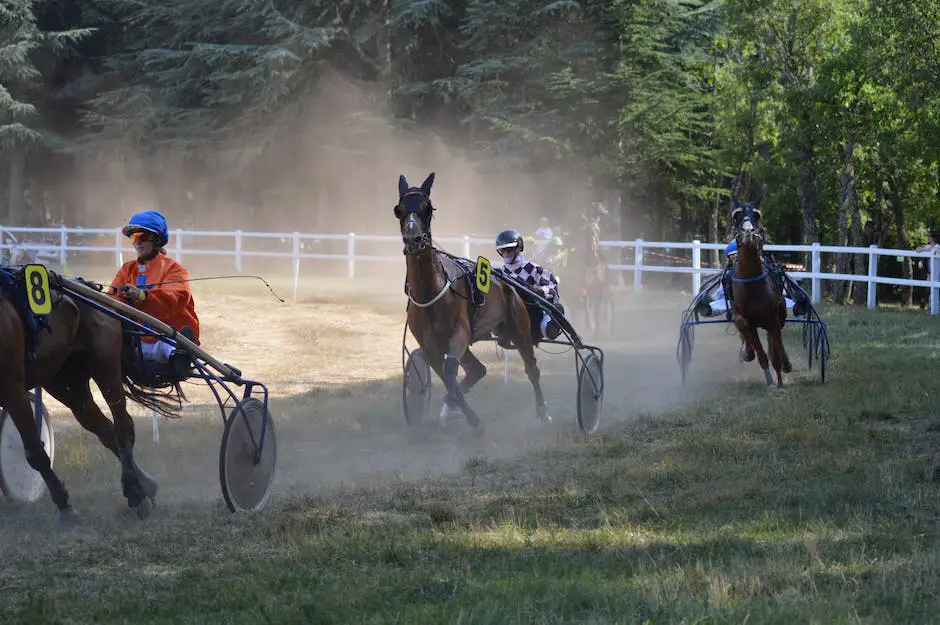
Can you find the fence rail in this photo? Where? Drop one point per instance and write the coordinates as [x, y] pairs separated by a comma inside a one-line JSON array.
[[60, 242]]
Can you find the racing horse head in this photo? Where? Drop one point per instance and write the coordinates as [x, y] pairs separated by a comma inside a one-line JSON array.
[[746, 223], [81, 343], [757, 302], [446, 315], [414, 212]]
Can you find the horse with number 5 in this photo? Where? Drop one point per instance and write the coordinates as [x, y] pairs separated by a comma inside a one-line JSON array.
[[75, 345], [446, 314]]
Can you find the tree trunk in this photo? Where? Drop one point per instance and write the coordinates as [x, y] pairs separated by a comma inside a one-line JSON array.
[[859, 289], [808, 199], [894, 192], [846, 197], [17, 170], [713, 230]]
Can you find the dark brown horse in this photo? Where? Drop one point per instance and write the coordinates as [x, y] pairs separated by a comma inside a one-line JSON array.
[[757, 302], [443, 315], [81, 344]]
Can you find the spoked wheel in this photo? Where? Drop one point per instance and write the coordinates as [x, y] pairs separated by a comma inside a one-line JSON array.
[[246, 459], [19, 481], [590, 394], [416, 388]]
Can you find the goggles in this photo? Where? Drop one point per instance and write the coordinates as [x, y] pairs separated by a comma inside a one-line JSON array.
[[143, 237]]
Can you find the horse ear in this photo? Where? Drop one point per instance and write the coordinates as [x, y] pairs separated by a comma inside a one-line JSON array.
[[402, 185], [758, 201], [426, 185]]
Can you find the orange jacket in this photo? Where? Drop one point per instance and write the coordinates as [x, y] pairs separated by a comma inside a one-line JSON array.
[[172, 304]]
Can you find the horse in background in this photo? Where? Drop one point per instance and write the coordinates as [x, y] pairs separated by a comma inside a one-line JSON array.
[[444, 313], [589, 270], [757, 302]]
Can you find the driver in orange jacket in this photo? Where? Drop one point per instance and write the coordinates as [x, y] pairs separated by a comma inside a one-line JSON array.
[[156, 284]]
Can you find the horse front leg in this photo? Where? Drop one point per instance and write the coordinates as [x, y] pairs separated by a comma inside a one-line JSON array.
[[746, 352], [456, 349], [754, 339], [14, 400]]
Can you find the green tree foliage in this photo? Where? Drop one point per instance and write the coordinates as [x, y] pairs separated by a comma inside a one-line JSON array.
[[828, 108]]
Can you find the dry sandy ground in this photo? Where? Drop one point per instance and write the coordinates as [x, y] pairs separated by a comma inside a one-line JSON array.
[[332, 363]]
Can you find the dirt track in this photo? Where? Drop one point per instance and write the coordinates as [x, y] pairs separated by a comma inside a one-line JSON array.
[[333, 367]]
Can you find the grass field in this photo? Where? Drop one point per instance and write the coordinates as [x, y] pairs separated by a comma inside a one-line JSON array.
[[717, 502]]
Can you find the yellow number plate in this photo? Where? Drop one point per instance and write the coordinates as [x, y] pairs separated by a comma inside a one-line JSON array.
[[37, 290], [483, 274]]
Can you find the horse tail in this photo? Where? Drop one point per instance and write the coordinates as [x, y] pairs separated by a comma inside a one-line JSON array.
[[167, 401]]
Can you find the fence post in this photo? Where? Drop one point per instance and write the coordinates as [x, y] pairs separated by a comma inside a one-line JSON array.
[[934, 290], [351, 256], [872, 273], [238, 251], [696, 266], [817, 269], [466, 247], [296, 257], [638, 265], [179, 246], [63, 243], [118, 256]]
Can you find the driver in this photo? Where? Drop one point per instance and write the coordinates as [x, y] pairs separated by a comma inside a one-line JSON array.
[[509, 245], [157, 285]]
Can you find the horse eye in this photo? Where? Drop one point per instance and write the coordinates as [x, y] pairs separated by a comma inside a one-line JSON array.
[[424, 206]]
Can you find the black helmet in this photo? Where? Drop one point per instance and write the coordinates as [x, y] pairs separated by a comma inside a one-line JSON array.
[[507, 239]]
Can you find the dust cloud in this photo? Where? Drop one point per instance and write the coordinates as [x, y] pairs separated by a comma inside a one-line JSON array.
[[328, 164]]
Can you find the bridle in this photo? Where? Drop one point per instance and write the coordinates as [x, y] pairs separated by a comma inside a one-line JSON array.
[[756, 231], [414, 245]]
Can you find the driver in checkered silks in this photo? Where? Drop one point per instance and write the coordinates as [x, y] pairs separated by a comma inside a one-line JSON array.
[[510, 245]]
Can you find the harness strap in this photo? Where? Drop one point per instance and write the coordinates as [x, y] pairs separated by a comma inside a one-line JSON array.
[[735, 278], [435, 299]]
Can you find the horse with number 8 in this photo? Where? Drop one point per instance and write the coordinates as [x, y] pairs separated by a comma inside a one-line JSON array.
[[79, 345], [444, 315]]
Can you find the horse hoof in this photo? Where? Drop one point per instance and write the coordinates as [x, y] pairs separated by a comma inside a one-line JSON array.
[[451, 415], [68, 517], [143, 509], [147, 483]]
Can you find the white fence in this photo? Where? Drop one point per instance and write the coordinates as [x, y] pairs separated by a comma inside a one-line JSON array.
[[61, 243]]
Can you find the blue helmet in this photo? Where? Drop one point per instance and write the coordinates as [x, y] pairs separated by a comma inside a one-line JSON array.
[[732, 248], [149, 221]]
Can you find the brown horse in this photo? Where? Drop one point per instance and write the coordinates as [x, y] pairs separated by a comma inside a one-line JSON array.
[[81, 344], [444, 315], [591, 272], [757, 302]]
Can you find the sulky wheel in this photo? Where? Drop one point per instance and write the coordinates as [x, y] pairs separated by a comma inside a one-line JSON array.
[[684, 353], [823, 356], [19, 481], [416, 388], [590, 394], [246, 460]]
